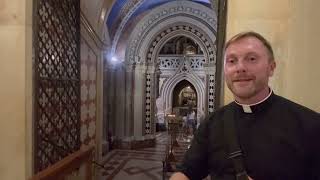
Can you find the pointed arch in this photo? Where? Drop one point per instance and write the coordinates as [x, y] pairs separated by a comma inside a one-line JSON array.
[[169, 85]]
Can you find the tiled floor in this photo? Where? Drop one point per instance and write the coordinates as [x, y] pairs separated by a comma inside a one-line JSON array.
[[142, 164]]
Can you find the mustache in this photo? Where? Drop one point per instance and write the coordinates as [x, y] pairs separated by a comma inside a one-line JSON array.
[[243, 77]]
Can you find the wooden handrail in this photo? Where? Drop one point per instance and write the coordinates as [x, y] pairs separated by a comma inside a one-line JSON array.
[[67, 165]]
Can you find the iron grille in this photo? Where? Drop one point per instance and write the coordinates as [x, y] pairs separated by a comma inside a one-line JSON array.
[[57, 80]]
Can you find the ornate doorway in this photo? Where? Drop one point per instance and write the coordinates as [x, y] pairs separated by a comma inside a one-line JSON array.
[[184, 98]]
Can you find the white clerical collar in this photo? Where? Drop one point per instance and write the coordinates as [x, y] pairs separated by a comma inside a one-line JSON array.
[[247, 107]]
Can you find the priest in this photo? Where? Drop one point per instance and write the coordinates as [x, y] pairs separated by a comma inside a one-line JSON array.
[[259, 136]]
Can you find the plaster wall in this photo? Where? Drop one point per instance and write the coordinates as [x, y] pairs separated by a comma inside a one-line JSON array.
[[16, 89]]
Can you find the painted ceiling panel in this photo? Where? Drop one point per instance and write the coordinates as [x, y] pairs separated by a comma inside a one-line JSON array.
[[117, 6], [117, 13]]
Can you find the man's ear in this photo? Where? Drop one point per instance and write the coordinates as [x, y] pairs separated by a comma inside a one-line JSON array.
[[272, 67]]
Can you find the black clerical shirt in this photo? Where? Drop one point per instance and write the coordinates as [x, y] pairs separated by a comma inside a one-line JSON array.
[[280, 141]]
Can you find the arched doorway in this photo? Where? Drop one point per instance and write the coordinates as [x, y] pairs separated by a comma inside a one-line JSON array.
[[184, 98]]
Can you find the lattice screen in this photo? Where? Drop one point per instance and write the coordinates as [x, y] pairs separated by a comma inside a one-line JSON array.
[[57, 80]]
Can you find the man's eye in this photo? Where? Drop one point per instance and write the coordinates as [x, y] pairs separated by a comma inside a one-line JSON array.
[[231, 61], [252, 58]]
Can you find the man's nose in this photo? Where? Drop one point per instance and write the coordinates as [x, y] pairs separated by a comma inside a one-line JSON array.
[[241, 67]]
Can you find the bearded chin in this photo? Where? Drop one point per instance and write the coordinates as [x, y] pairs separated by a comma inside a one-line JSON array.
[[243, 93]]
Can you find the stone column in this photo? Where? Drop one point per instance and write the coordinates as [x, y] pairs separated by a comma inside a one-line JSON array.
[[110, 99], [119, 101], [129, 119], [105, 145], [139, 100]]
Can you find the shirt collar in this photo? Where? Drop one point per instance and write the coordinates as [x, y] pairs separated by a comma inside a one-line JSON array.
[[250, 108]]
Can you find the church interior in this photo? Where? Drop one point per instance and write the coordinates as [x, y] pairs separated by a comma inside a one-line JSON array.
[[105, 89]]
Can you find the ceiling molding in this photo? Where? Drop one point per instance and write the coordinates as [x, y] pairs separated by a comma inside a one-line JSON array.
[[92, 33]]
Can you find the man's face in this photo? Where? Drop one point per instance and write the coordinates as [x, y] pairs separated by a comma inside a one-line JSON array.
[[247, 69]]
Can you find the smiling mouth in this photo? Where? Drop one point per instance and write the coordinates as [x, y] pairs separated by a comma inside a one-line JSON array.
[[242, 80]]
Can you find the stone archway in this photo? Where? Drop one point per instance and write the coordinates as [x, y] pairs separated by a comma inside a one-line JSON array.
[[168, 87], [164, 22]]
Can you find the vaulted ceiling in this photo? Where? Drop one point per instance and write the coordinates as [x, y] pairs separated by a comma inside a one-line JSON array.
[[124, 12]]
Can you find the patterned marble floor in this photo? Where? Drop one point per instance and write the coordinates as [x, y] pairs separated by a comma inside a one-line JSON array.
[[142, 164]]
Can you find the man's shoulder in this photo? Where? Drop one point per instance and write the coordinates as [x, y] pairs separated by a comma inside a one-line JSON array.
[[294, 107], [291, 110], [308, 120]]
